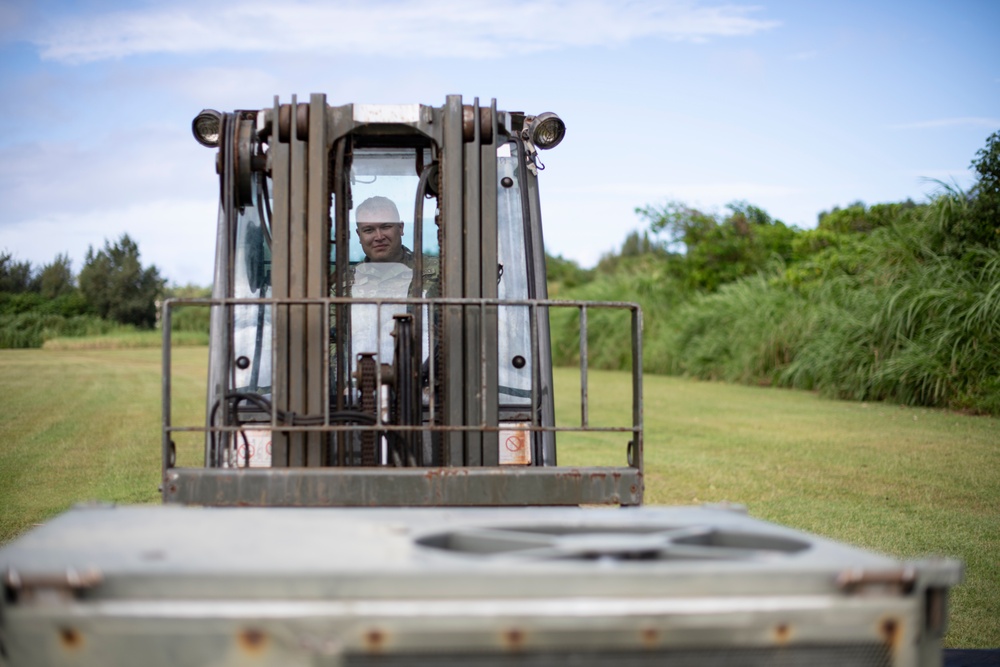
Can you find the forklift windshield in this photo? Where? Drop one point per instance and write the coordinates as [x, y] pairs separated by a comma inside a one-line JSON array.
[[384, 185], [386, 174]]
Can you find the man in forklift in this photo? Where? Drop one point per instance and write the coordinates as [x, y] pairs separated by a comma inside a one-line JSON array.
[[386, 272], [381, 232]]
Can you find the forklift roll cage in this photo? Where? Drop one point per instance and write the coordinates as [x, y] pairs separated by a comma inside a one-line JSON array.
[[282, 307]]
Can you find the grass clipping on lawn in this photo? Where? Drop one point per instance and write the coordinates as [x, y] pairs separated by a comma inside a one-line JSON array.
[[82, 424]]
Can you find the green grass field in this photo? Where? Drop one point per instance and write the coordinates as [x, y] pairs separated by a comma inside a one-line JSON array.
[[83, 424]]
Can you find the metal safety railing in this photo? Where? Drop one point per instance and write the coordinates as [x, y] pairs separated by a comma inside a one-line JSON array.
[[499, 322]]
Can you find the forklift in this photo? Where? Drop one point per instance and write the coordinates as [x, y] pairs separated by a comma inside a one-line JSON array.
[[337, 380]]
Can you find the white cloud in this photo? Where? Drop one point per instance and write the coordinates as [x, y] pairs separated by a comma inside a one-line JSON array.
[[399, 28]]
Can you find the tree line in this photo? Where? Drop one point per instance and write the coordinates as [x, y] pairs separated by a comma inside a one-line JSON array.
[[896, 301], [113, 289]]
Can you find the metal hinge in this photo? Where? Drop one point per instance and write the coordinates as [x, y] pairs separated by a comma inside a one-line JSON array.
[[49, 586], [897, 581]]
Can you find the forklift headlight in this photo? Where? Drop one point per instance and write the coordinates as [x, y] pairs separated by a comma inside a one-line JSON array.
[[546, 130], [206, 127]]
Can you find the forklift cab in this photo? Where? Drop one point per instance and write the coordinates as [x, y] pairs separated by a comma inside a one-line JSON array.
[[339, 378]]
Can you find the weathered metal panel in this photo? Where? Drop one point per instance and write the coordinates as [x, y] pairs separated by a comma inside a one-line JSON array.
[[317, 274], [280, 155], [452, 335], [297, 338], [543, 360], [488, 264], [475, 392], [387, 113], [395, 487], [227, 586]]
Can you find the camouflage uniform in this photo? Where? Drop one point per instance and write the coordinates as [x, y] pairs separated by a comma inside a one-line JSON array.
[[431, 273], [369, 280]]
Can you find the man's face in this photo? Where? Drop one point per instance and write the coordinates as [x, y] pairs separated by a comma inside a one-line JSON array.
[[382, 240]]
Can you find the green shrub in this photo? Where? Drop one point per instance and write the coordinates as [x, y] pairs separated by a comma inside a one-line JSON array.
[[637, 280], [32, 329], [892, 314], [190, 318]]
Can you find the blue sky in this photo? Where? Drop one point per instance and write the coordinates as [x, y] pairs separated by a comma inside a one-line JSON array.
[[794, 106]]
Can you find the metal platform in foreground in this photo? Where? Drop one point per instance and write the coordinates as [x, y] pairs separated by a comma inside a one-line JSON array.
[[503, 586]]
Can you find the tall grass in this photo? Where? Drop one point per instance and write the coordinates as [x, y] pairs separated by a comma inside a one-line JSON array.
[[919, 327], [32, 329], [745, 333], [39, 328], [908, 321], [608, 331]]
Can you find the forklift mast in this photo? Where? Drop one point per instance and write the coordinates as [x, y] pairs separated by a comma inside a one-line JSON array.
[[338, 379]]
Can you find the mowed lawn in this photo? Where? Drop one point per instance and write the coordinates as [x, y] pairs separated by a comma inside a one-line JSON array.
[[84, 425]]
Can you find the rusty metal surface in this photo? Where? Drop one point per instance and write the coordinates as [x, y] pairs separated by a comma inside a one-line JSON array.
[[395, 487], [230, 586], [469, 124], [300, 121]]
